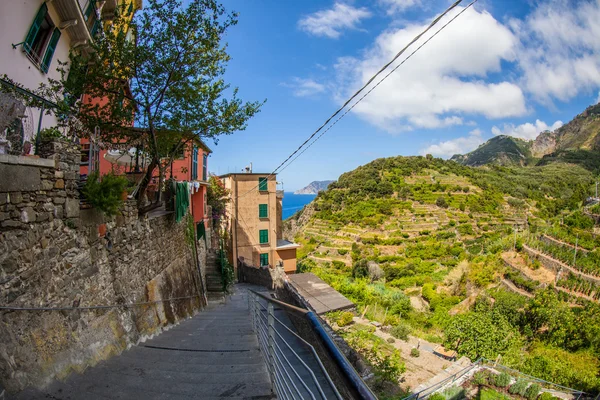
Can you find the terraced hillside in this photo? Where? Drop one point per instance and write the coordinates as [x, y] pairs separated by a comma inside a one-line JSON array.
[[445, 253]]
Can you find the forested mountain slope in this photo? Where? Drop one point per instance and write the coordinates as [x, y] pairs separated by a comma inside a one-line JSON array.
[[465, 257], [576, 142]]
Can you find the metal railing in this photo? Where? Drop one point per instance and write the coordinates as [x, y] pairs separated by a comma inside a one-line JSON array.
[[485, 363], [294, 366]]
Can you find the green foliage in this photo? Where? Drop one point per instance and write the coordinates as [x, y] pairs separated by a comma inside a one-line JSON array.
[[414, 352], [481, 334], [217, 198], [502, 380], [546, 396], [227, 271], [345, 318], [437, 396], [104, 193], [342, 252], [441, 202], [481, 377], [579, 220], [50, 133], [532, 392], [360, 269], [401, 331], [491, 394], [518, 387], [454, 393]]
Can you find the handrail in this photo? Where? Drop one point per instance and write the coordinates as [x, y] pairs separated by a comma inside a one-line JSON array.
[[348, 371], [287, 306]]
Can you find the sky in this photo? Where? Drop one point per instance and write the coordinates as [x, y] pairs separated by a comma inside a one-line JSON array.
[[512, 67]]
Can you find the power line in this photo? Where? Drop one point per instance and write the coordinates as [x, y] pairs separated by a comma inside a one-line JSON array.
[[416, 38], [378, 83]]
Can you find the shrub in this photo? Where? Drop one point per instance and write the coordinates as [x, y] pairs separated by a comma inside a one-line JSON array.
[[345, 319], [454, 393], [502, 380], [400, 331], [532, 391], [518, 387], [360, 269], [546, 396], [481, 378], [414, 352], [338, 264], [105, 193], [441, 202], [342, 252], [437, 396]]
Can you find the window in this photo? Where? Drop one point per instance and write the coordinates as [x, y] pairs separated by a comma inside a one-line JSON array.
[[263, 184], [263, 236], [204, 167], [42, 39], [264, 259], [263, 211], [195, 164]]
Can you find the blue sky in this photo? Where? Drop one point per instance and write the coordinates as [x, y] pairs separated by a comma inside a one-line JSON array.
[[512, 67]]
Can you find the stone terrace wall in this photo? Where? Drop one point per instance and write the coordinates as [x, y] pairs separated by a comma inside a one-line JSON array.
[[54, 255]]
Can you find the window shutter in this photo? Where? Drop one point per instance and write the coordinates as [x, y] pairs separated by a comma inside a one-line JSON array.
[[195, 164], [204, 167], [263, 236], [263, 211], [90, 9], [35, 27], [50, 50], [264, 259], [263, 184]]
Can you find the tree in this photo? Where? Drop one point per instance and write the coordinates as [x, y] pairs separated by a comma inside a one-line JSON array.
[[481, 334], [168, 81], [217, 198]]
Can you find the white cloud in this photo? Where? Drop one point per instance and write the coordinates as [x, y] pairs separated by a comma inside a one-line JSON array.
[[526, 131], [330, 23], [460, 145], [304, 87], [445, 79], [559, 50], [396, 6]]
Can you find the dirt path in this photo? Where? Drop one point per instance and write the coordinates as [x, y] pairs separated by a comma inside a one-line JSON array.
[[418, 369], [511, 286], [516, 261]]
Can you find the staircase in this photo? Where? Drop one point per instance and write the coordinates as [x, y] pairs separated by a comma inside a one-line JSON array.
[[214, 283], [211, 356]]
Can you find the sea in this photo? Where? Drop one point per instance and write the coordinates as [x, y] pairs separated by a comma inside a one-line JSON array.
[[294, 202]]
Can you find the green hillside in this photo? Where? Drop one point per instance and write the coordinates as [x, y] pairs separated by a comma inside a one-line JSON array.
[[500, 150], [428, 248]]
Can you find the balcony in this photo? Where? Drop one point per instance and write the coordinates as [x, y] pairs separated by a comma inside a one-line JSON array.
[[73, 21]]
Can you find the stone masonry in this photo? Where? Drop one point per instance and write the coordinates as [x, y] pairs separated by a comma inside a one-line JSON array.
[[52, 254]]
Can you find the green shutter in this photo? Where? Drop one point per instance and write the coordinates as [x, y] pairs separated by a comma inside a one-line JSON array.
[[264, 259], [263, 211], [263, 236], [50, 50], [89, 9], [35, 27], [263, 184]]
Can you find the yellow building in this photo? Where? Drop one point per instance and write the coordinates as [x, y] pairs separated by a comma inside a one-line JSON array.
[[254, 221]]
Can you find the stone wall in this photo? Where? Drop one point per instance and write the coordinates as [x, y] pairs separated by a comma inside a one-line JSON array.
[[52, 254]]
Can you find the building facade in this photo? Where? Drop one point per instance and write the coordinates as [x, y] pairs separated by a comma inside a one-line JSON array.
[[36, 34], [254, 221]]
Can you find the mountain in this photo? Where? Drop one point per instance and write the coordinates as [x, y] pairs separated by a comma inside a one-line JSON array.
[[499, 150], [314, 187], [577, 142], [581, 133]]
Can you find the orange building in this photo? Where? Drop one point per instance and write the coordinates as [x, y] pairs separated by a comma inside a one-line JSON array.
[[192, 167]]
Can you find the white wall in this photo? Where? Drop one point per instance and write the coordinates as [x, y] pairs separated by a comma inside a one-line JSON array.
[[16, 17]]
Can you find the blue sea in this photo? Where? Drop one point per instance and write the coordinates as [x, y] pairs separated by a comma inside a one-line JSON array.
[[294, 202]]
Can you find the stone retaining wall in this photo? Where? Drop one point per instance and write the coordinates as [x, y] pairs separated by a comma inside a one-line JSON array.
[[54, 255]]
